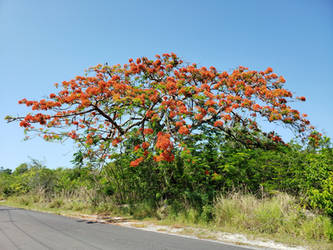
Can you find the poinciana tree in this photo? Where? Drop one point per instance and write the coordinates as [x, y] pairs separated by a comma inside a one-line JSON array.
[[161, 103]]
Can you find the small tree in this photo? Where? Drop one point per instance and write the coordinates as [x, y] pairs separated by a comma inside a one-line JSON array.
[[157, 105]]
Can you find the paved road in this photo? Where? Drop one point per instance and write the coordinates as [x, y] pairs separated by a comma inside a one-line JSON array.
[[24, 229]]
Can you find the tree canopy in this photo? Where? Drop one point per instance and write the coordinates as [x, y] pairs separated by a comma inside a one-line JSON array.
[[157, 105]]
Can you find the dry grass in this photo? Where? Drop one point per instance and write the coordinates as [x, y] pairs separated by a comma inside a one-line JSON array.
[[279, 217]]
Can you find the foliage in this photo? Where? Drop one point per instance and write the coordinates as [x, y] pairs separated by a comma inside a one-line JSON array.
[[215, 164]]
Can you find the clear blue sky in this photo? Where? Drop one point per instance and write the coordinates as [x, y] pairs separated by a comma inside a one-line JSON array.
[[43, 42]]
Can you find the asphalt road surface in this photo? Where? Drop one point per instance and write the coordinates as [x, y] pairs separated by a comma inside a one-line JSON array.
[[24, 229]]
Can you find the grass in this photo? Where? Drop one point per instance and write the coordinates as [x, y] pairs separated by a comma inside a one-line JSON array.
[[138, 225], [278, 218], [58, 205]]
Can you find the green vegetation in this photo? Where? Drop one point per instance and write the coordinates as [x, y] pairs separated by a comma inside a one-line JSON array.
[[168, 140], [285, 193]]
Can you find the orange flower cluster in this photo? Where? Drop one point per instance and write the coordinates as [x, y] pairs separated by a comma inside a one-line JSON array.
[[218, 123], [163, 143], [145, 145], [116, 141], [148, 131], [136, 162], [183, 130]]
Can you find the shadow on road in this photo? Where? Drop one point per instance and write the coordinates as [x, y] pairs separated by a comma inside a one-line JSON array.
[[90, 222], [9, 208]]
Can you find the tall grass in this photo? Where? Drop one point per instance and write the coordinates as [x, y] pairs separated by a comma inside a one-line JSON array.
[[279, 215]]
